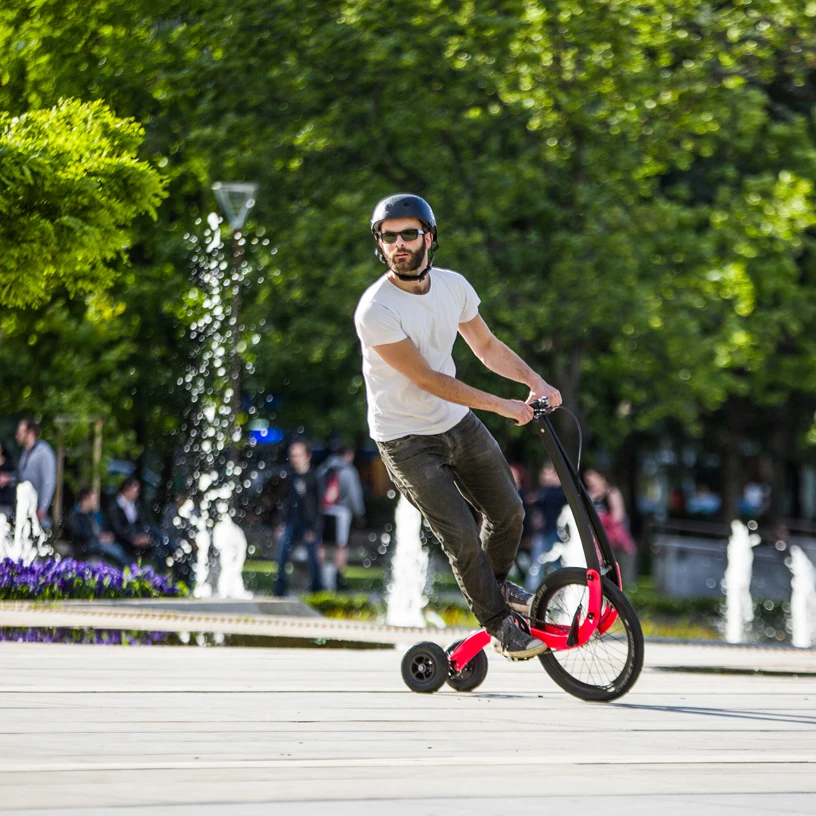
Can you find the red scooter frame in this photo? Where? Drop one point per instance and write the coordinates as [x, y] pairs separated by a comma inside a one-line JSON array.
[[599, 558]]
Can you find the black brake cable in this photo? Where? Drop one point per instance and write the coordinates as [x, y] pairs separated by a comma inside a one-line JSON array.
[[541, 408], [580, 435]]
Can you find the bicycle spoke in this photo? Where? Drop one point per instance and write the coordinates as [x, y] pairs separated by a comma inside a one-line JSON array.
[[601, 660]]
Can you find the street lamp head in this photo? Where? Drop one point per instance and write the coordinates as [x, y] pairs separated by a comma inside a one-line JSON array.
[[236, 199]]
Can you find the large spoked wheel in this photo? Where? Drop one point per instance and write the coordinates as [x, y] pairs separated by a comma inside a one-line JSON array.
[[609, 663], [472, 675], [425, 668]]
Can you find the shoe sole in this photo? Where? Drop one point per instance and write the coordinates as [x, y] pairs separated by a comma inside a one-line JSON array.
[[525, 655]]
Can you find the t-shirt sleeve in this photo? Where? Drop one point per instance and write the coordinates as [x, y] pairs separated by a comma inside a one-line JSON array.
[[377, 325], [470, 302]]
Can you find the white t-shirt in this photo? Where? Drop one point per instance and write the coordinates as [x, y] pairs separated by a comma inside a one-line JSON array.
[[387, 314]]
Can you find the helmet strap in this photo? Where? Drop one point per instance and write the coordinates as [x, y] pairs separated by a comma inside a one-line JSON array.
[[415, 278], [424, 273]]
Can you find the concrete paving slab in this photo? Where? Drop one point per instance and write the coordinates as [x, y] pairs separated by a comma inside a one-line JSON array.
[[259, 605], [104, 730]]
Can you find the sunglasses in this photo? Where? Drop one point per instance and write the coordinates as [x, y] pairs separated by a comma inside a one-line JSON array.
[[407, 235]]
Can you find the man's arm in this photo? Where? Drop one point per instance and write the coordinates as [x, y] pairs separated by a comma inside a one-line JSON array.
[[405, 358], [502, 360], [47, 466]]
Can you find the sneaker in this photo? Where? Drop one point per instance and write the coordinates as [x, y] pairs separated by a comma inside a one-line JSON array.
[[514, 643], [517, 599]]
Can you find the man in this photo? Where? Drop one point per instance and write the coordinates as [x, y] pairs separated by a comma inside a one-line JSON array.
[[129, 527], [87, 536], [437, 452], [341, 497], [37, 465], [7, 497], [302, 522]]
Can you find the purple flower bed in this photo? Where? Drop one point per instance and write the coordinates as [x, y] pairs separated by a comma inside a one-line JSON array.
[[77, 580], [103, 637]]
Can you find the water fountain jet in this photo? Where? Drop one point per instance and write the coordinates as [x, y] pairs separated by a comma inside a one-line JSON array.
[[739, 606], [405, 599], [803, 598]]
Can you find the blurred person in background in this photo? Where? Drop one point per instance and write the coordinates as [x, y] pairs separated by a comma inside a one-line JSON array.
[[37, 465], [521, 480], [6, 482], [301, 518], [342, 498], [609, 504], [703, 502], [131, 530], [87, 536], [548, 502]]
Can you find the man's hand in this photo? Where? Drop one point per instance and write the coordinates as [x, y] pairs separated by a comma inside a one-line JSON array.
[[142, 539], [5, 478], [310, 536], [539, 389], [42, 514], [106, 538], [520, 412]]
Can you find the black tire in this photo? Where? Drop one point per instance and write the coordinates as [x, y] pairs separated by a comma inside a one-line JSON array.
[[472, 675], [425, 668], [609, 664]]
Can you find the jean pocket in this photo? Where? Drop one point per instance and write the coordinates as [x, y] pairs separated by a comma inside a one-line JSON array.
[[394, 446]]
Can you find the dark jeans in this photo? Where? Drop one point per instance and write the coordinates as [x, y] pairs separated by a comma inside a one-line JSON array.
[[292, 534], [441, 475]]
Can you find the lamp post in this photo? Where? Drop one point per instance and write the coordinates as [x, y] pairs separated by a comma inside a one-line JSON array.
[[236, 199]]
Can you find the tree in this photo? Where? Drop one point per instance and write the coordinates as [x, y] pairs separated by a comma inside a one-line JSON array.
[[70, 187], [627, 184]]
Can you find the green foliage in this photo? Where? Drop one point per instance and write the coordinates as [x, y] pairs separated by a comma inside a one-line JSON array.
[[348, 607], [360, 607], [628, 186], [70, 186]]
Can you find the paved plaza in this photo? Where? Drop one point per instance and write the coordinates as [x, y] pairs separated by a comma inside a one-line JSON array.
[[185, 730]]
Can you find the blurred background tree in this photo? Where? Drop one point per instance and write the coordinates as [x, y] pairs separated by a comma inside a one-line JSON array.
[[628, 185]]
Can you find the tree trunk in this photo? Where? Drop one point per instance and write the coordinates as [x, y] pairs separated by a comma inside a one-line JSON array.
[[781, 440], [731, 475]]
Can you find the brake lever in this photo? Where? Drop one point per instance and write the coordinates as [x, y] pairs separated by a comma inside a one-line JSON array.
[[541, 407]]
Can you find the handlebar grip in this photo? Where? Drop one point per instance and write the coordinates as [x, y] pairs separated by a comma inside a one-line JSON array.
[[541, 407]]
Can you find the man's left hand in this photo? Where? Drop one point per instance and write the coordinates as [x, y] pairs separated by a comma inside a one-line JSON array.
[[42, 514], [540, 389]]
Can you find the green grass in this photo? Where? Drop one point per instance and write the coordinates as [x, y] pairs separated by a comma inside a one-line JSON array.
[[259, 576], [360, 607]]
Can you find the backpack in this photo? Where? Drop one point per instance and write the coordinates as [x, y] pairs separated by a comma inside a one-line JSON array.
[[331, 494]]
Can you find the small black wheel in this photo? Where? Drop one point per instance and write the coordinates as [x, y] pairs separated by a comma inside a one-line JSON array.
[[609, 663], [425, 668], [472, 675]]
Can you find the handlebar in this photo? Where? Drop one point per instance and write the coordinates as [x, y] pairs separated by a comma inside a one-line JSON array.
[[541, 407]]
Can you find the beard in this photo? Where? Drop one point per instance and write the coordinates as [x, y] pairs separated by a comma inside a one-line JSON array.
[[409, 263]]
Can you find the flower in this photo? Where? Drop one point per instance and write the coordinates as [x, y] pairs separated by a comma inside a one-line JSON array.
[[68, 579]]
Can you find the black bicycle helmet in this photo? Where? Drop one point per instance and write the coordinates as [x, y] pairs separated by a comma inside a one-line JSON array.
[[404, 205]]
